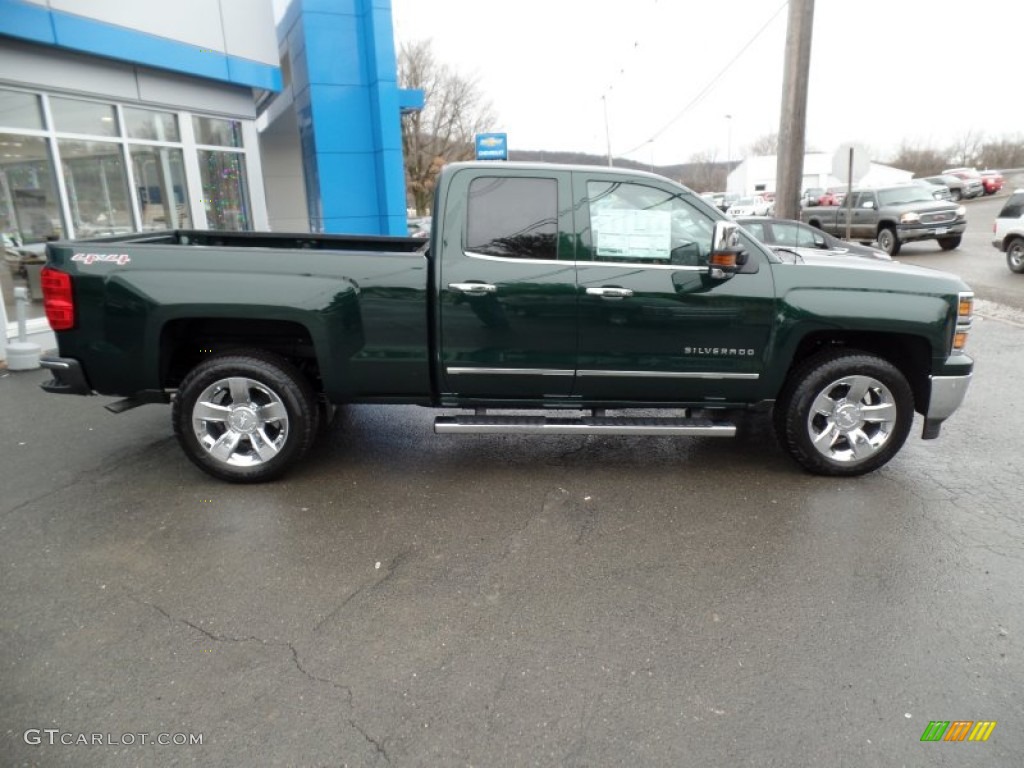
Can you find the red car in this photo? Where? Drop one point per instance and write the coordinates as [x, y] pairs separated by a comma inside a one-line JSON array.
[[832, 197], [992, 181]]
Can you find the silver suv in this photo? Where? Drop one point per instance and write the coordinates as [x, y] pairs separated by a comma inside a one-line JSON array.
[[1009, 231]]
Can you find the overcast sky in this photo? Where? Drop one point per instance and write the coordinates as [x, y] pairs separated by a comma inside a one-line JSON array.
[[882, 71]]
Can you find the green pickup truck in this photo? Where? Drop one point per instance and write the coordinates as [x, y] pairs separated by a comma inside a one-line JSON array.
[[581, 294]]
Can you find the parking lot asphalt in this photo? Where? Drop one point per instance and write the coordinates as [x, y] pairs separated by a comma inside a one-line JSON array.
[[410, 599]]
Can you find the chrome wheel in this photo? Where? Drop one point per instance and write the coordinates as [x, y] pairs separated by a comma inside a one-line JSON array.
[[852, 418], [240, 421]]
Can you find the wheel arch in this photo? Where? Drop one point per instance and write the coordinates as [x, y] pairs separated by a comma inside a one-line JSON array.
[[186, 342], [910, 354]]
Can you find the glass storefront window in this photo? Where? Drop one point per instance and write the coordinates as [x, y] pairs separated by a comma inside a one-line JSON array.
[[94, 175], [20, 110], [29, 216], [147, 124], [88, 117], [29, 206], [220, 133], [160, 184], [225, 192]]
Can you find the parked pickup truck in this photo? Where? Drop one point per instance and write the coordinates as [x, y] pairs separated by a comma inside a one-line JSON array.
[[580, 293], [892, 216]]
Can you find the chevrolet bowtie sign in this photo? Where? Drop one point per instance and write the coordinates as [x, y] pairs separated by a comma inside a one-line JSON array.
[[492, 146]]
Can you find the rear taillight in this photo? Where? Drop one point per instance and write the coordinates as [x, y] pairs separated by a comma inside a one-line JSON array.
[[58, 300]]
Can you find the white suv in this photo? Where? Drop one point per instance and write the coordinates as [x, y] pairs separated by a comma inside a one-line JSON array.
[[1008, 231]]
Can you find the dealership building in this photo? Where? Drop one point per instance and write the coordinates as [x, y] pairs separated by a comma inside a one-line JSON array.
[[123, 117]]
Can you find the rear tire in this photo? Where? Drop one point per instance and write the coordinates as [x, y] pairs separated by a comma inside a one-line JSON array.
[[245, 416], [844, 413], [1015, 255], [955, 195], [949, 243]]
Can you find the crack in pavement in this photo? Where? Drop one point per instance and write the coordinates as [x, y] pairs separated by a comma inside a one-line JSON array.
[[251, 639], [377, 745], [396, 561]]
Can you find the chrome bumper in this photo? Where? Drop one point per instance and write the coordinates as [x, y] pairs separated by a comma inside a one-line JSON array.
[[948, 393]]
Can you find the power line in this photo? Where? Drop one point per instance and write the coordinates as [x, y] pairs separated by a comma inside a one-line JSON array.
[[714, 81], [631, 56]]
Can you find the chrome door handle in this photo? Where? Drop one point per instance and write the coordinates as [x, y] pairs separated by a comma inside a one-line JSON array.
[[610, 293], [473, 289]]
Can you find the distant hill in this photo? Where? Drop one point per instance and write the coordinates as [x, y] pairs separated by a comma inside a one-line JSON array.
[[686, 173]]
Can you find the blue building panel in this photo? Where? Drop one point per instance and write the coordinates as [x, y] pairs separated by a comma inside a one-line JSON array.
[[410, 99], [392, 198], [356, 225], [342, 118], [339, 45], [254, 74], [383, 51], [350, 7], [29, 21], [344, 81], [385, 102], [346, 184]]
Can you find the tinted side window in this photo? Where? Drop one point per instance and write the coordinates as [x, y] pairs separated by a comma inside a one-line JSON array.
[[1014, 208], [632, 222], [792, 235], [513, 217]]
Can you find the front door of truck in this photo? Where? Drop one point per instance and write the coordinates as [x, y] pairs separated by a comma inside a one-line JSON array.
[[655, 326], [507, 285], [865, 216]]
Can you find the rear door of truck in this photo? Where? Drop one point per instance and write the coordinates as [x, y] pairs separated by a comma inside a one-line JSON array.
[[507, 285]]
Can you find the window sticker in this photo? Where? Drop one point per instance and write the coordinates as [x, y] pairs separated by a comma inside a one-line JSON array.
[[633, 234]]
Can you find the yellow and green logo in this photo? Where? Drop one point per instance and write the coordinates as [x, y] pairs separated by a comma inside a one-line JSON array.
[[958, 730]]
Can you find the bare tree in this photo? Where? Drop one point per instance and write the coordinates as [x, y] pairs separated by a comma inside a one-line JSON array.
[[922, 161], [705, 173], [966, 148], [1006, 152], [765, 145], [454, 111]]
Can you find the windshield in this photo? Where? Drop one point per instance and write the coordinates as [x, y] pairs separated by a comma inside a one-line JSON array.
[[903, 195], [744, 201]]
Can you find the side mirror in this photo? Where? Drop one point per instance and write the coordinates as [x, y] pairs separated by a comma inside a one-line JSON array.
[[726, 255]]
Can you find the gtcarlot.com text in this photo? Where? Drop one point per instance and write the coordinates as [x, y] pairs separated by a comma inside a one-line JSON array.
[[54, 736]]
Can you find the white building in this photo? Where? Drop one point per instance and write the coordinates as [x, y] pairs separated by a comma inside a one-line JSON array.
[[757, 174]]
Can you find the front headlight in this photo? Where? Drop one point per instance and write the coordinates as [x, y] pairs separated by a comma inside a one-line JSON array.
[[909, 218], [961, 211]]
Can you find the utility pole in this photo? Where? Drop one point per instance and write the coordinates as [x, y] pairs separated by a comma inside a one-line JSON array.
[[793, 121], [607, 133]]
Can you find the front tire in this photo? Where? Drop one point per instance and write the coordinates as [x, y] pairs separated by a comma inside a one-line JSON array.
[[949, 243], [956, 195], [844, 413], [1015, 255], [245, 417], [888, 241]]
